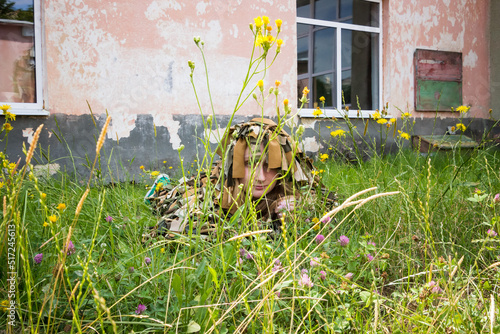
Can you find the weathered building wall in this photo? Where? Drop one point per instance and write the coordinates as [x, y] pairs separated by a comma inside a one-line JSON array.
[[131, 60], [495, 58], [444, 25]]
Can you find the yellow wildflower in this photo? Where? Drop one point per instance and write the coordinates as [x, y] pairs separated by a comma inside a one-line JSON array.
[[381, 121], [265, 19], [269, 28], [155, 173], [461, 127], [278, 23], [61, 206], [406, 115], [43, 196], [11, 166], [324, 255], [7, 127], [277, 83], [5, 303], [142, 167], [270, 38], [315, 220], [392, 120], [305, 91], [337, 133], [404, 135], [159, 186], [162, 250], [463, 109], [315, 172], [452, 129], [164, 161], [5, 107], [376, 115], [317, 112], [322, 99], [1, 185], [285, 102], [260, 84], [316, 226], [259, 40], [170, 167], [53, 218], [258, 21], [9, 115], [279, 42], [323, 157], [45, 224]]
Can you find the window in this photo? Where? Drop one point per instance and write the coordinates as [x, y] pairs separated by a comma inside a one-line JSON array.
[[20, 51], [338, 53]]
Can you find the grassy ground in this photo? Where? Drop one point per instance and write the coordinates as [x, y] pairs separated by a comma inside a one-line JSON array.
[[419, 260]]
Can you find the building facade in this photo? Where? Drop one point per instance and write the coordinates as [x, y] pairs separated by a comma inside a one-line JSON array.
[[91, 58]]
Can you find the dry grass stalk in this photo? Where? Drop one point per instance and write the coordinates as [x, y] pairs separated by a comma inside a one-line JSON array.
[[102, 136], [46, 242], [80, 203], [244, 235], [5, 206], [36, 136]]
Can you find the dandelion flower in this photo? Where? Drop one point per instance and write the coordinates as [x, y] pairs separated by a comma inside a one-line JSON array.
[[463, 109], [404, 135], [317, 112], [461, 127], [38, 258], [337, 133], [53, 218], [61, 206]]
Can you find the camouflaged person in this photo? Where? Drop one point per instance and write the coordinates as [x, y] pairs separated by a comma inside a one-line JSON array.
[[261, 165]]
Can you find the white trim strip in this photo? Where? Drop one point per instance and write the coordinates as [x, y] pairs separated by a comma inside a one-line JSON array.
[[331, 24], [329, 113]]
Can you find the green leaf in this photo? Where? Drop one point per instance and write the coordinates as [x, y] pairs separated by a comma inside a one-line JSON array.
[[214, 276], [177, 286]]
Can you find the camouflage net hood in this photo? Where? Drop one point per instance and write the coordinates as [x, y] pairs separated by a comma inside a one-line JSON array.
[[201, 198], [280, 153]]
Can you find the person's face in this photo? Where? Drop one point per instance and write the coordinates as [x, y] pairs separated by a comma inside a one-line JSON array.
[[263, 178]]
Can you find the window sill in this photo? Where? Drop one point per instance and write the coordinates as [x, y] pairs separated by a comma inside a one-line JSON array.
[[329, 113], [29, 111]]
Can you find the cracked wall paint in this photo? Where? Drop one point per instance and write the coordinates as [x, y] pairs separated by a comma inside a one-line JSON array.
[[131, 58], [458, 26]]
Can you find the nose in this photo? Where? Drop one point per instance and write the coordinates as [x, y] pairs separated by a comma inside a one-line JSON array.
[[259, 173]]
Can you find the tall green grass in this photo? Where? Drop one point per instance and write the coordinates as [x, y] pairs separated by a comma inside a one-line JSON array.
[[409, 247]]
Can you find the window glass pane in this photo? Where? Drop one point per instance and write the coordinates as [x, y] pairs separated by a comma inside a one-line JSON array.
[[302, 55], [17, 52], [303, 8], [346, 49], [360, 81], [364, 13], [301, 83], [325, 10], [324, 50], [324, 85], [302, 29], [346, 88], [345, 8]]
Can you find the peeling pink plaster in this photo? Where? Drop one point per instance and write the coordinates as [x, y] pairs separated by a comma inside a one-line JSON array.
[[458, 25], [131, 57]]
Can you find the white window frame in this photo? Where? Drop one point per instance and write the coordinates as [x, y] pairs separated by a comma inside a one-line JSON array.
[[37, 108], [338, 112]]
